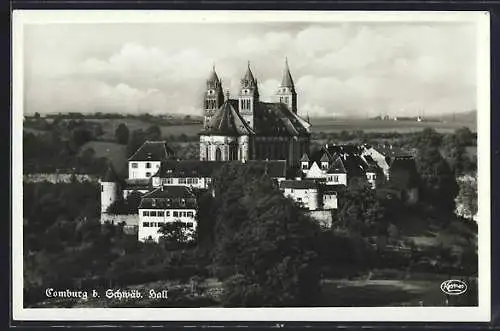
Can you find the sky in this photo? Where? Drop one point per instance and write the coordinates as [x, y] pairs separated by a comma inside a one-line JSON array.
[[339, 69]]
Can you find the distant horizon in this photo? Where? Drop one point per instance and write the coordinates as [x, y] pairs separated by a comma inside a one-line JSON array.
[[355, 69]]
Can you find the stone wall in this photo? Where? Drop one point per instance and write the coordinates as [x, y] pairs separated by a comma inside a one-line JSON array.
[[59, 178], [324, 217], [130, 220]]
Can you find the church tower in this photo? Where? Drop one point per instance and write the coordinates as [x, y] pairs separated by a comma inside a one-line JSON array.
[[249, 97], [214, 97], [286, 92]]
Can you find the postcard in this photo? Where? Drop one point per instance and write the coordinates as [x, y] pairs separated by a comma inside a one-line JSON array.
[[251, 166]]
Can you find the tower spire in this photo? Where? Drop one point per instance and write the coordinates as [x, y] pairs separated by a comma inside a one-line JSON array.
[[287, 80]]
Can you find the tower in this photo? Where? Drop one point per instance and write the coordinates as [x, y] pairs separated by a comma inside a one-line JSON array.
[[286, 92], [109, 189], [249, 97], [214, 97]]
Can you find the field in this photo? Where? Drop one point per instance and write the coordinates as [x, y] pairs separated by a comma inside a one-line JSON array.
[[109, 126], [367, 125]]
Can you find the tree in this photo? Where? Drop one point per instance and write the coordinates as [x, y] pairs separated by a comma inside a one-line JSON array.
[[153, 133], [122, 134], [136, 140], [176, 234], [265, 245], [467, 197], [438, 185]]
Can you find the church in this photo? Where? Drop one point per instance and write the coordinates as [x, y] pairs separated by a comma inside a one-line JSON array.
[[246, 128]]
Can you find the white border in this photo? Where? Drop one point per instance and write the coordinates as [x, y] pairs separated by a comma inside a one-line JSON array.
[[482, 313]]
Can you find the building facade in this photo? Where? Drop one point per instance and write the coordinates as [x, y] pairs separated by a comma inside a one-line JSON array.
[[246, 128], [167, 204]]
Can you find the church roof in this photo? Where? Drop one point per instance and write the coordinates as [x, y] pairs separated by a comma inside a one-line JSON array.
[[227, 121], [276, 119], [153, 151], [287, 80]]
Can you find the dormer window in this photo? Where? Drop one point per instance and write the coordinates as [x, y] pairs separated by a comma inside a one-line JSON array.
[[324, 165], [304, 165]]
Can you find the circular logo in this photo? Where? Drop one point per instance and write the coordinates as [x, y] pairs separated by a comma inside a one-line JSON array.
[[453, 287]]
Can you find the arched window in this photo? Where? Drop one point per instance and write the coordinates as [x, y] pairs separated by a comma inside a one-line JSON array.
[[233, 151], [218, 154]]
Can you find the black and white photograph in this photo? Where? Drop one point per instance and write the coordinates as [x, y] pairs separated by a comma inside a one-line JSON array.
[[329, 166]]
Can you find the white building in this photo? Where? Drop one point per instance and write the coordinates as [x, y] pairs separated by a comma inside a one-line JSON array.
[[335, 165], [166, 204], [311, 194], [146, 161]]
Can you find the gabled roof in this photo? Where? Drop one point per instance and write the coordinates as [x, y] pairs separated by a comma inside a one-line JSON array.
[[343, 149], [206, 169], [227, 121], [188, 168], [304, 158], [392, 151], [298, 184], [179, 197], [153, 151], [325, 158], [354, 165], [337, 166]]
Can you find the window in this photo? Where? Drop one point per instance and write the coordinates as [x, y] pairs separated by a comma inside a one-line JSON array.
[[189, 224], [304, 165], [161, 213], [336, 178], [176, 214], [291, 190], [148, 165], [324, 165], [167, 213], [168, 181], [153, 224], [157, 166], [148, 174], [102, 188], [145, 224], [182, 180], [134, 165], [145, 213], [152, 213], [299, 199], [190, 214], [184, 214]]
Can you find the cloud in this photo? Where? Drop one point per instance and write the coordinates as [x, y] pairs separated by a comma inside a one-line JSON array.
[[350, 68]]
